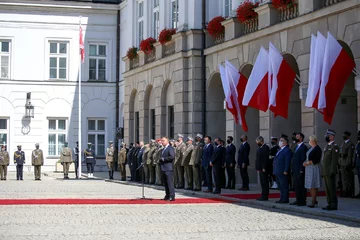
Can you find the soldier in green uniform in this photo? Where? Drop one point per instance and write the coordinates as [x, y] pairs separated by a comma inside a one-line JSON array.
[[4, 162], [346, 166], [185, 163], [195, 161], [145, 169], [150, 161], [110, 151], [37, 160], [66, 159], [157, 157], [122, 161], [179, 169], [329, 169]]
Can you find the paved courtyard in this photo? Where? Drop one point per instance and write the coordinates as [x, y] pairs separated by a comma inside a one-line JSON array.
[[148, 221]]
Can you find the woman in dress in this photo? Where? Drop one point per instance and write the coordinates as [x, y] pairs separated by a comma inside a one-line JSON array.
[[312, 169]]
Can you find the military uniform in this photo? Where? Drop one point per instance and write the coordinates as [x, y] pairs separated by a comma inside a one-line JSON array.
[[346, 166], [195, 162], [37, 160], [90, 160], [144, 163], [66, 160], [76, 160], [110, 151], [273, 151], [4, 163], [19, 160], [179, 168], [150, 162], [187, 168], [157, 157], [329, 170], [122, 163]]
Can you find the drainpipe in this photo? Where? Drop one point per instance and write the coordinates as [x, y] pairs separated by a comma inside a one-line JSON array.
[[117, 108], [203, 67]]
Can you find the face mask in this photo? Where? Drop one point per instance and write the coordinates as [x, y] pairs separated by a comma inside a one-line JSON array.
[[281, 144], [297, 140], [273, 143], [259, 144], [327, 139], [241, 139], [294, 139], [228, 141], [345, 137], [19, 149], [216, 143]]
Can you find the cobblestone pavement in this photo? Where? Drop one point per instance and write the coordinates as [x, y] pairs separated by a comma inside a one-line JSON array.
[[183, 221]]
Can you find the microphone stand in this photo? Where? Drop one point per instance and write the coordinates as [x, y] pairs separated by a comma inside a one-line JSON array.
[[143, 182]]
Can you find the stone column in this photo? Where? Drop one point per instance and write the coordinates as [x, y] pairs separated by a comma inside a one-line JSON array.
[[233, 28], [141, 58], [159, 50], [127, 63], [268, 16], [308, 6], [180, 41]]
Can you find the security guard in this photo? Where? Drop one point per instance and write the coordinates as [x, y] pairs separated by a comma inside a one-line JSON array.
[[37, 160], [346, 166], [329, 169], [150, 161], [179, 151], [122, 161], [19, 160], [195, 161], [185, 163], [66, 159], [110, 151], [4, 162], [90, 160], [76, 159]]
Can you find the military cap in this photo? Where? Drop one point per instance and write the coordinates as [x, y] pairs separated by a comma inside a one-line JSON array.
[[284, 136], [3, 146], [294, 134], [37, 144], [330, 132], [89, 143], [199, 136], [180, 136], [66, 143], [172, 140], [190, 139], [111, 142], [347, 133], [18, 146], [273, 138], [152, 140]]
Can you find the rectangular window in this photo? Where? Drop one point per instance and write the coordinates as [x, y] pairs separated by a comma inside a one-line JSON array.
[[97, 135], [97, 62], [174, 13], [56, 136], [140, 21], [153, 124], [156, 20], [227, 7], [137, 126], [171, 121], [5, 59], [58, 60], [4, 132]]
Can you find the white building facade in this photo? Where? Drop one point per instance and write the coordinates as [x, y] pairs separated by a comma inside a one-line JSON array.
[[39, 50]]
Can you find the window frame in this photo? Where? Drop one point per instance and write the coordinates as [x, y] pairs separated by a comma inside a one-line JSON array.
[[140, 21], [58, 55], [56, 131], [98, 57], [155, 19], [7, 132], [96, 132], [173, 15], [6, 54], [227, 6]]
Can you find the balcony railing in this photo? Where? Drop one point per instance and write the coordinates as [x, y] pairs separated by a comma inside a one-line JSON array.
[[331, 2], [251, 26], [134, 63], [150, 57], [169, 49], [220, 38], [288, 13]]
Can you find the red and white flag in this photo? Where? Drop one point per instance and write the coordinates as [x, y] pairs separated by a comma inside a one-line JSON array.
[[317, 53], [81, 45], [230, 103], [258, 87], [237, 85], [282, 78], [337, 68]]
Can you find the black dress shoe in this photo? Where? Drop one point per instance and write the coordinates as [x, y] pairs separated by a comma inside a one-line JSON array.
[[197, 190], [166, 198], [329, 208], [301, 204], [294, 203], [280, 201], [262, 199], [216, 192], [171, 199]]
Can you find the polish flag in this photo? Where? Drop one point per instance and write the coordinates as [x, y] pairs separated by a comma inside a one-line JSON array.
[[337, 68], [81, 45], [282, 78], [317, 53], [258, 88], [230, 103], [237, 85]]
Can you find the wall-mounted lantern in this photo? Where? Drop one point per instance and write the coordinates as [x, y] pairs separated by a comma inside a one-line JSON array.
[[29, 108]]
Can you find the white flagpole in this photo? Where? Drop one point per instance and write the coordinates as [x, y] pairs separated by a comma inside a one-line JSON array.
[[80, 62]]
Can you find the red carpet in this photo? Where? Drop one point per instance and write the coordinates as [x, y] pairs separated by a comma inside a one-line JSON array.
[[72, 201], [271, 195]]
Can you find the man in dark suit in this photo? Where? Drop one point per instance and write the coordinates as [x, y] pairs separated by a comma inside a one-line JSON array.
[[274, 148], [230, 162], [357, 160], [298, 170], [166, 165], [206, 157], [217, 162], [282, 163], [262, 166], [243, 162], [134, 161], [129, 160], [139, 158]]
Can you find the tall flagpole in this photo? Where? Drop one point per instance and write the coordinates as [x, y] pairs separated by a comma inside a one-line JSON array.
[[80, 62]]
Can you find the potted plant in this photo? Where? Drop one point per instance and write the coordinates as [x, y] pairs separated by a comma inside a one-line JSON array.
[[132, 53], [215, 28], [245, 12], [166, 35], [147, 45], [283, 4]]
